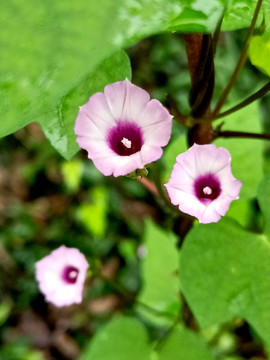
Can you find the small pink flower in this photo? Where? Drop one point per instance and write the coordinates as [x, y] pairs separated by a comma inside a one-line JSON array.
[[202, 183], [61, 276], [122, 129]]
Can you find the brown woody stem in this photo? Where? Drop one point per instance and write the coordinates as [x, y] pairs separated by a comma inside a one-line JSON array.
[[200, 62]]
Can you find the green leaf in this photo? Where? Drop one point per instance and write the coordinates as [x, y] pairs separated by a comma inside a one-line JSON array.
[[113, 68], [72, 173], [49, 48], [142, 18], [198, 16], [259, 52], [93, 216], [238, 14], [246, 154], [225, 273], [184, 344], [5, 310], [54, 55], [159, 270], [120, 339], [264, 201], [241, 211], [203, 16]]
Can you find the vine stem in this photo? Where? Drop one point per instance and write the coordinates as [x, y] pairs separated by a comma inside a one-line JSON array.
[[241, 134], [218, 29], [178, 116], [132, 298], [149, 185], [160, 187], [241, 60], [257, 95], [166, 335], [157, 188]]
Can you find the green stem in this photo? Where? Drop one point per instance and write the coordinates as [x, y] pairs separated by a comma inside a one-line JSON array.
[[217, 30], [132, 298], [242, 134], [173, 107], [257, 95], [241, 60], [165, 335], [161, 188]]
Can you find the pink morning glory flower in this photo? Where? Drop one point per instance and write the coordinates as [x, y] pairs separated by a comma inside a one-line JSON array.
[[61, 276], [122, 129], [202, 184]]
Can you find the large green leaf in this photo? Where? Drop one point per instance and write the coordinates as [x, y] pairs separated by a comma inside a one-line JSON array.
[[184, 344], [53, 52], [242, 212], [141, 18], [60, 129], [259, 51], [246, 154], [159, 269], [264, 201], [198, 16], [203, 16], [120, 339], [47, 49], [225, 273], [239, 13]]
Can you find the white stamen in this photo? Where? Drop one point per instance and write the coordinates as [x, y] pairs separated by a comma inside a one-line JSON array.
[[207, 190], [73, 274], [126, 143]]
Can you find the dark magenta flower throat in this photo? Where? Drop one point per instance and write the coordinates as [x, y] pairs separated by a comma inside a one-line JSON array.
[[125, 138], [207, 187], [70, 274]]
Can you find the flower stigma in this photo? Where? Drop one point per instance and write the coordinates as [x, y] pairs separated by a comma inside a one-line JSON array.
[[207, 190], [127, 143], [73, 274], [70, 274]]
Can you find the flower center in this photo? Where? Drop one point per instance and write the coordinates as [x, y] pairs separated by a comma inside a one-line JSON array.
[[126, 142], [207, 187], [125, 138], [207, 190], [70, 274]]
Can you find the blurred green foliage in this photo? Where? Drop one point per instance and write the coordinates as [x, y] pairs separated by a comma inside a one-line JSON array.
[[245, 151], [54, 55], [118, 338], [184, 344], [160, 274]]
